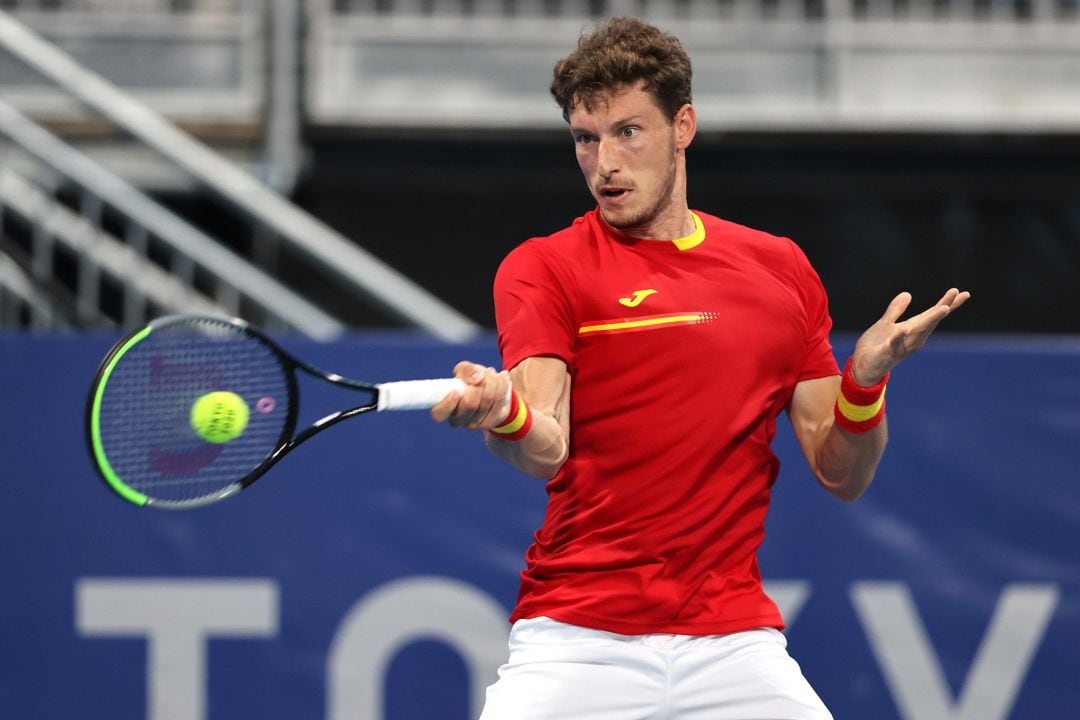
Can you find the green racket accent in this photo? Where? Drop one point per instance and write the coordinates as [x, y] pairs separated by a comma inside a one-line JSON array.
[[107, 471]]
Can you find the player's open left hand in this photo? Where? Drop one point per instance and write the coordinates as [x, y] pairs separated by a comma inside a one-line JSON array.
[[890, 340]]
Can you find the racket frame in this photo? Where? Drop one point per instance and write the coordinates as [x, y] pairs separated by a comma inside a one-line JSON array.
[[287, 441]]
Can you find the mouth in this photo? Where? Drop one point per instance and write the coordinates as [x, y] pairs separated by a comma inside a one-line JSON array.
[[614, 193]]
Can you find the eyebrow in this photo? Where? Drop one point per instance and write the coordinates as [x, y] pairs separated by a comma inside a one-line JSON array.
[[623, 122]]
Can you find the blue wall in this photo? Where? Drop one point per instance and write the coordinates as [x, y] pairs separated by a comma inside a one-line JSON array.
[[369, 574]]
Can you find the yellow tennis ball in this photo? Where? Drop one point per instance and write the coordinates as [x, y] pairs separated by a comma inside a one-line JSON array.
[[219, 417]]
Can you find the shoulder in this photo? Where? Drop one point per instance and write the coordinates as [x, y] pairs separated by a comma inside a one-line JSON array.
[[745, 237], [571, 237], [780, 253], [555, 252]]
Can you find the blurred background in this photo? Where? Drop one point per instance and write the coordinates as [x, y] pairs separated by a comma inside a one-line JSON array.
[[349, 173], [905, 144]]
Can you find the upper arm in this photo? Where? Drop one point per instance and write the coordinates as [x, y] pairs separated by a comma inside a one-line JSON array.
[[534, 309], [535, 316]]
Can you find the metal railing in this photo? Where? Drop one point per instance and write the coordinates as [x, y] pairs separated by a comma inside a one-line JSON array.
[[38, 170], [22, 303], [267, 212]]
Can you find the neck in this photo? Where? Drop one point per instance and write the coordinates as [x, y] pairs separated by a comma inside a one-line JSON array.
[[673, 219]]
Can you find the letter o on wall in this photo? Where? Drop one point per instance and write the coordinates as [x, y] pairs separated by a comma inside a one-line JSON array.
[[403, 611]]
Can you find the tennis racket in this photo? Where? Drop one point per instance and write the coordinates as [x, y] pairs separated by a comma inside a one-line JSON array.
[[149, 441]]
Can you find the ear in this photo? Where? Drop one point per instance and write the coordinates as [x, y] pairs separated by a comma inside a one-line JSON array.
[[685, 125]]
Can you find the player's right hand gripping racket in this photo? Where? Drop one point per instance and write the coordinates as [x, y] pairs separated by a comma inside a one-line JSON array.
[[154, 415]]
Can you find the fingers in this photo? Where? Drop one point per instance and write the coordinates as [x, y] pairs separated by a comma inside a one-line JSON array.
[[927, 321], [897, 307], [442, 411], [912, 334], [950, 301], [958, 299], [482, 405], [948, 298], [889, 340]]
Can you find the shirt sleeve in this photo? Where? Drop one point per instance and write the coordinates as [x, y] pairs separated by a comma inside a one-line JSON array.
[[533, 312], [818, 360]]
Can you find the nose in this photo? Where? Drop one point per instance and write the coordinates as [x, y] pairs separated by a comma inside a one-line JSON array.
[[607, 159]]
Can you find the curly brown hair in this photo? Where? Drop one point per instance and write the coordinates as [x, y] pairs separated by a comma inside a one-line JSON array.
[[619, 53]]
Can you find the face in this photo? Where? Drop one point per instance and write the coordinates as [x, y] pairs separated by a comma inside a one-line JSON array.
[[632, 157]]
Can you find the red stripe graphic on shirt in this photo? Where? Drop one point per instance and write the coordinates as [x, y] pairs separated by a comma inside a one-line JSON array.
[[644, 322]]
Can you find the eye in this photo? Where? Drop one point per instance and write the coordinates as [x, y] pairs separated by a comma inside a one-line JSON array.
[[584, 139], [629, 131]]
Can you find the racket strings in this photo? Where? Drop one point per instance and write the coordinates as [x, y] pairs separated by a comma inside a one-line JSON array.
[[147, 434]]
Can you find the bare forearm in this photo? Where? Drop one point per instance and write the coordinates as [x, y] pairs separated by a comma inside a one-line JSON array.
[[540, 453], [846, 462], [840, 423], [544, 384], [537, 442]]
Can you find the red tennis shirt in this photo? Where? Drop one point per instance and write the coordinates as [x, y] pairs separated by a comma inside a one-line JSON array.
[[682, 354]]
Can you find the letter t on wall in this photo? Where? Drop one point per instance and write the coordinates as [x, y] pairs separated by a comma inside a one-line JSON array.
[[176, 617]]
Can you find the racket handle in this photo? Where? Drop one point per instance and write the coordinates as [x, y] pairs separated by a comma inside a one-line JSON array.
[[415, 394]]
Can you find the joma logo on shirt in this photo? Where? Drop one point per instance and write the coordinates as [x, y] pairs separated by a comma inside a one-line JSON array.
[[636, 298]]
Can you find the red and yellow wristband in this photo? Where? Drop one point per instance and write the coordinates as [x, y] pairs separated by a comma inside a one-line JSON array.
[[518, 422], [859, 409]]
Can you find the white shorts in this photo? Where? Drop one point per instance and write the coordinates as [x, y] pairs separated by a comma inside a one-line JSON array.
[[564, 672]]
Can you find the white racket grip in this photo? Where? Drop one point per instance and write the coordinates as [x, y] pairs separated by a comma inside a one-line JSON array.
[[415, 394]]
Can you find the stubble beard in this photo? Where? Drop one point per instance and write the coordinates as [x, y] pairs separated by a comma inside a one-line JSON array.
[[644, 218]]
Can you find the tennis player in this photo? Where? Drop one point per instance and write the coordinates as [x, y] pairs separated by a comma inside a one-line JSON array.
[[651, 348]]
